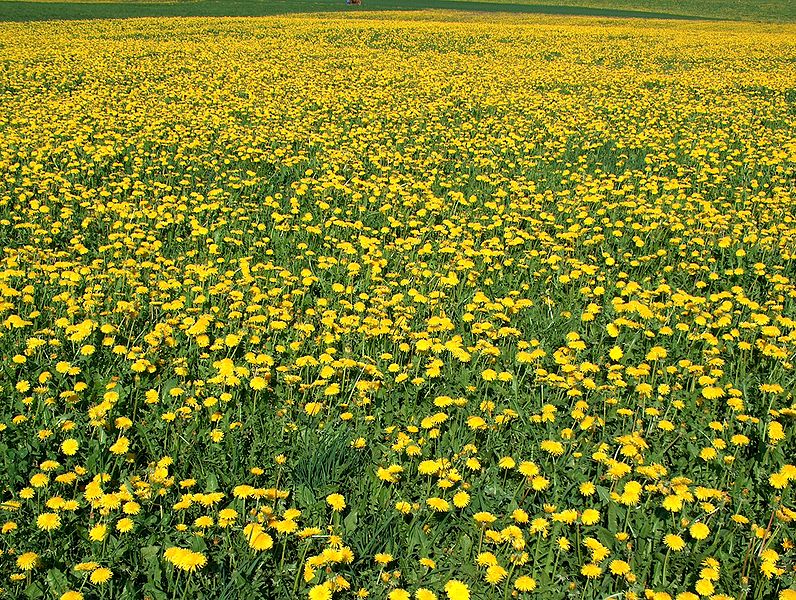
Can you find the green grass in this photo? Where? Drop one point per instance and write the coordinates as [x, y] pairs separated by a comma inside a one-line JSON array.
[[743, 10], [770, 10]]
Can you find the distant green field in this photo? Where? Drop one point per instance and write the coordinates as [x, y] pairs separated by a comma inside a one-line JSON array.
[[763, 10], [770, 10]]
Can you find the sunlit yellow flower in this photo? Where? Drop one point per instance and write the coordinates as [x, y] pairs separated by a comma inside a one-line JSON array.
[[320, 592], [101, 575], [48, 521], [524, 583], [591, 570], [69, 446], [674, 542], [121, 446], [27, 561], [438, 504], [619, 567], [457, 590], [699, 531], [98, 533], [336, 501]]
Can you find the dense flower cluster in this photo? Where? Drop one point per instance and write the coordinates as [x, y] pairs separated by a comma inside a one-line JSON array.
[[396, 307]]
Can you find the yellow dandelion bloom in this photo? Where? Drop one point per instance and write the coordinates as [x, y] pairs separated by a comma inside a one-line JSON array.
[[101, 575], [320, 592], [524, 583], [98, 533], [484, 518], [674, 542], [495, 574], [27, 561], [619, 567], [336, 501], [121, 446], [438, 504], [590, 516], [699, 531], [591, 570], [457, 590], [70, 446], [48, 521]]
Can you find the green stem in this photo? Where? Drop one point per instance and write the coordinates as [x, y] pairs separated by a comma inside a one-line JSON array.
[[187, 585], [282, 558], [176, 586], [299, 568]]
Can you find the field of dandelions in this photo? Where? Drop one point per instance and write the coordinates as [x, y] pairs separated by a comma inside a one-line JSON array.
[[397, 307]]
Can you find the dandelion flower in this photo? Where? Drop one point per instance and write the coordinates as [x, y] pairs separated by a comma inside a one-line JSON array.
[[520, 516], [495, 574], [121, 446], [673, 503], [486, 559], [778, 481], [484, 518], [524, 583], [461, 499], [476, 422], [438, 504], [456, 590], [704, 587], [336, 501], [619, 567], [674, 542], [70, 446], [552, 447], [125, 525], [185, 560], [27, 561], [428, 563], [776, 432], [101, 575], [48, 521], [98, 533], [313, 408], [540, 483], [590, 516], [699, 531], [591, 570], [320, 592], [258, 539]]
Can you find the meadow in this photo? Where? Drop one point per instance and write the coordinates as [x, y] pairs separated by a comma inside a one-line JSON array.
[[397, 306], [773, 11]]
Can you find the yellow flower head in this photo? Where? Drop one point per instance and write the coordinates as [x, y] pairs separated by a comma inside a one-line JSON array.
[[336, 501]]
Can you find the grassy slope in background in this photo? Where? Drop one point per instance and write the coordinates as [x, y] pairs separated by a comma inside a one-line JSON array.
[[762, 10]]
